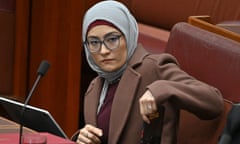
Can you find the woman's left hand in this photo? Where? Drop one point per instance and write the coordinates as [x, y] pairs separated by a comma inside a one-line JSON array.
[[147, 106], [89, 134]]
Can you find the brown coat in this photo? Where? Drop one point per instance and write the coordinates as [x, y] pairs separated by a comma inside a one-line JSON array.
[[171, 87]]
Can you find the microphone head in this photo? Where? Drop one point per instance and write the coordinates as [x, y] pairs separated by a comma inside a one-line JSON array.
[[43, 68]]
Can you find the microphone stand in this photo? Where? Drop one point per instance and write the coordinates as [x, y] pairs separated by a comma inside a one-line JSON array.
[[24, 108], [41, 71]]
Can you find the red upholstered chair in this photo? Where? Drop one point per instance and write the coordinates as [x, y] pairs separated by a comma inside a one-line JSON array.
[[207, 56], [213, 59]]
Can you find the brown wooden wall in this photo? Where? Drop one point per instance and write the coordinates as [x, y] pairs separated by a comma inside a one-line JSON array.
[[46, 30], [7, 38]]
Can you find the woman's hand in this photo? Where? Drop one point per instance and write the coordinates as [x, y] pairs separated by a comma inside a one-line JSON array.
[[89, 135], [148, 106]]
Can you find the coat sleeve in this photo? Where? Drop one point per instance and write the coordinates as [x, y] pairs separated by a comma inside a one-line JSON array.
[[184, 91]]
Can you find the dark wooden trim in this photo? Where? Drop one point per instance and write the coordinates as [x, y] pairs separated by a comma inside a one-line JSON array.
[[21, 49]]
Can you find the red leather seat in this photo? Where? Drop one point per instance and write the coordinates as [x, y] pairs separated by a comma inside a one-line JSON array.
[[213, 59]]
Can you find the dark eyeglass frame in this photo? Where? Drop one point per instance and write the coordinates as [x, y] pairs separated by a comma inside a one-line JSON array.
[[107, 37]]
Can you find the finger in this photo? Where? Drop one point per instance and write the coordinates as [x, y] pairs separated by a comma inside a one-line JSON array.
[[83, 137], [148, 102], [154, 106], [93, 133], [143, 108], [96, 131], [93, 138], [143, 114], [146, 119], [79, 141], [149, 108]]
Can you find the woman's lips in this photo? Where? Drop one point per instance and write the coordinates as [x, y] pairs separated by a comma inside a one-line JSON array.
[[107, 60]]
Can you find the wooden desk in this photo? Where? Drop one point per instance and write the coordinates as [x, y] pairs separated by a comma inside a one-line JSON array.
[[9, 133], [7, 126]]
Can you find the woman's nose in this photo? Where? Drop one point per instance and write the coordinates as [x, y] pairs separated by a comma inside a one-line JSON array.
[[104, 49]]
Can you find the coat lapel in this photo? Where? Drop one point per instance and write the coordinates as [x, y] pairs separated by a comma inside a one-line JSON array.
[[124, 97], [91, 101]]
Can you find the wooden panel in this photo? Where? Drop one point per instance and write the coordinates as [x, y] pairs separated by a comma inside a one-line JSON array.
[[7, 43], [56, 37], [204, 22], [7, 6], [7, 36], [21, 49]]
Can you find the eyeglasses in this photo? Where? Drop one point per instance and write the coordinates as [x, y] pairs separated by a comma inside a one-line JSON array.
[[111, 41]]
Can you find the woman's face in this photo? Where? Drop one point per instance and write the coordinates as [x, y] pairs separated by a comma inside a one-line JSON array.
[[108, 59]]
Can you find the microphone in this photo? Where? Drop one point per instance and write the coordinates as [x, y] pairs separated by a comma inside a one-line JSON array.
[[42, 69]]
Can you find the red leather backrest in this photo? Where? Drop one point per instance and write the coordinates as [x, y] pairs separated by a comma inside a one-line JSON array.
[[213, 59], [208, 57]]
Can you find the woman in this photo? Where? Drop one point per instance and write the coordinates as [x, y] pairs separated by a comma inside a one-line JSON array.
[[132, 84]]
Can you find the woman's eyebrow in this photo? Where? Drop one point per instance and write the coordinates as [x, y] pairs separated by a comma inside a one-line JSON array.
[[93, 37], [111, 33], [106, 35]]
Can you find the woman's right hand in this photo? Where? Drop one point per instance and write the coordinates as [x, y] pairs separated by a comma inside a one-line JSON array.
[[148, 106], [89, 134]]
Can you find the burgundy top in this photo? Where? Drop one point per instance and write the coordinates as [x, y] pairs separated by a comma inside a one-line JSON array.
[[103, 117]]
